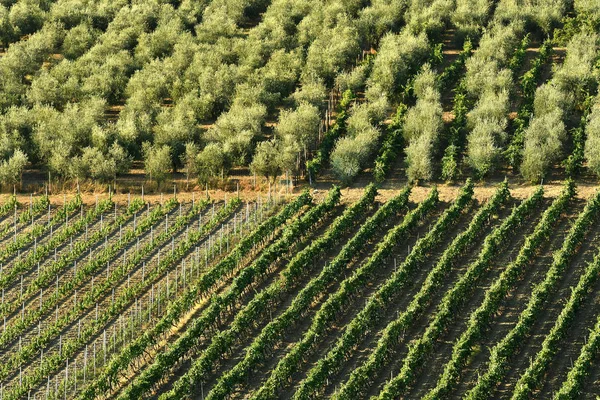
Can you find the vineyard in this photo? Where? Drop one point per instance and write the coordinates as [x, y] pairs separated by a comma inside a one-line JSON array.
[[312, 297], [384, 199]]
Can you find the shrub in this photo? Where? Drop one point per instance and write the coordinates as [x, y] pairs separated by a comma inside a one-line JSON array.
[[398, 56], [592, 143], [78, 40], [543, 145], [157, 162]]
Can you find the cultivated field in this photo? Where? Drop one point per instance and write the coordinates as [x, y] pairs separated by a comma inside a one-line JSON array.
[[459, 259], [495, 297]]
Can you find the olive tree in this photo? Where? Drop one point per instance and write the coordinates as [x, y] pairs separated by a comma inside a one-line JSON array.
[[483, 149], [177, 125], [543, 145], [313, 92], [236, 129], [108, 79], [160, 42], [419, 158], [188, 160], [266, 160], [351, 153], [157, 162], [211, 163], [281, 72], [332, 51], [57, 136], [587, 6], [592, 143], [429, 16], [423, 126], [379, 17], [55, 87], [346, 159], [6, 30], [16, 128], [78, 40], [11, 170], [26, 17], [470, 16], [487, 123], [300, 125], [398, 55], [353, 80]]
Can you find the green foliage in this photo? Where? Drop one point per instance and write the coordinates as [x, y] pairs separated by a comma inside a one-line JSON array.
[[429, 16], [353, 80], [78, 40], [352, 152], [502, 352], [178, 125], [328, 142], [470, 16], [592, 142], [422, 128], [26, 17], [6, 30], [210, 163], [456, 296], [292, 233], [100, 166], [336, 302], [289, 279], [546, 14], [267, 160], [464, 346], [300, 125], [11, 170], [93, 328], [572, 387], [157, 162], [543, 145], [398, 57], [370, 315], [391, 146], [383, 353], [331, 52], [312, 92], [207, 280], [236, 129], [528, 81], [487, 122]]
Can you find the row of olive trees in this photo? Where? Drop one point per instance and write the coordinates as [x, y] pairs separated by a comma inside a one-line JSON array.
[[423, 127], [555, 102], [592, 143], [55, 111], [592, 128], [488, 81], [545, 14], [397, 58]]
